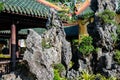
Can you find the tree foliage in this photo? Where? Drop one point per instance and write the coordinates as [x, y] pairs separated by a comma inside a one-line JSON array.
[[107, 16], [58, 69], [68, 7], [117, 56], [87, 76], [86, 46], [1, 6]]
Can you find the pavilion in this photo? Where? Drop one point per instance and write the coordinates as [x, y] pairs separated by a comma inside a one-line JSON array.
[[17, 15], [21, 14]]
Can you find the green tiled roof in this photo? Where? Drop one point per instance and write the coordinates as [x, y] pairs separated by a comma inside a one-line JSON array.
[[118, 8], [38, 30], [25, 31], [86, 13], [34, 8], [25, 7], [70, 31]]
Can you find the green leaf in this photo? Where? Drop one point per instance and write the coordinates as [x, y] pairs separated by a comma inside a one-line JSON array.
[[117, 56], [85, 46], [107, 16], [1, 7]]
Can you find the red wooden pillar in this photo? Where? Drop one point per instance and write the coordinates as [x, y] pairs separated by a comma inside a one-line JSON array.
[[13, 47], [10, 46], [17, 45]]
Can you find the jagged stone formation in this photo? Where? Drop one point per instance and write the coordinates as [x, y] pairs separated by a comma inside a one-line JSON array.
[[108, 4], [10, 77], [103, 39], [52, 48], [103, 34], [47, 49]]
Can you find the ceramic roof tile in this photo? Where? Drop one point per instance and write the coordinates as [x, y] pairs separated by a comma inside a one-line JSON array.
[[69, 30], [86, 13], [25, 7]]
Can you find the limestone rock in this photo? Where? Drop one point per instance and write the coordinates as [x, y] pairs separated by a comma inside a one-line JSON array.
[[11, 76], [104, 35], [73, 74], [108, 60], [108, 4], [47, 49]]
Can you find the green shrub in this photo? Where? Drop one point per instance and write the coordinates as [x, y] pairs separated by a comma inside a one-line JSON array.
[[101, 77], [117, 56], [56, 75], [115, 38], [59, 67], [118, 32], [1, 6], [46, 44], [71, 64], [75, 42], [86, 46], [86, 76], [107, 16]]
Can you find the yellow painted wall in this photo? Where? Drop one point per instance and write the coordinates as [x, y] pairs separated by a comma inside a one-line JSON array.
[[83, 27], [117, 18]]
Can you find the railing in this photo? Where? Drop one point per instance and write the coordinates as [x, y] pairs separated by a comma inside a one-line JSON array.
[[5, 65]]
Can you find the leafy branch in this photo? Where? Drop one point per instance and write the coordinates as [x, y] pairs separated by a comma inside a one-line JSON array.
[[107, 16], [1, 6]]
